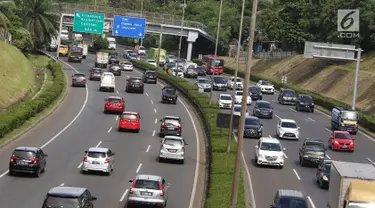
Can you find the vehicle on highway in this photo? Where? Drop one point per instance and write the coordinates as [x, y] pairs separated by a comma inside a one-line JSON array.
[[113, 59], [285, 198], [287, 129], [141, 50], [312, 152], [112, 43], [341, 140], [287, 96], [238, 98], [266, 87], [64, 35], [134, 56], [237, 110], [204, 83], [77, 37], [130, 121], [169, 66], [52, 46], [107, 82], [148, 190], [127, 66], [170, 125], [172, 148], [169, 95], [224, 101], [170, 58], [344, 119], [191, 73], [255, 93], [263, 109], [98, 159], [189, 65], [154, 53], [135, 84], [115, 69], [150, 76], [201, 71], [323, 174], [213, 64], [127, 53], [234, 84], [30, 160], [151, 62], [219, 83], [64, 49], [178, 72], [69, 196], [253, 128], [101, 59], [78, 80], [114, 104], [85, 49], [269, 151], [75, 54], [305, 102]]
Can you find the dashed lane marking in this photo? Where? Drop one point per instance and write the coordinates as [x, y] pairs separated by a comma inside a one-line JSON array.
[[292, 109], [328, 130], [152, 102], [295, 172], [139, 168], [311, 119], [155, 110], [311, 202], [110, 128], [148, 148], [153, 133], [123, 196]]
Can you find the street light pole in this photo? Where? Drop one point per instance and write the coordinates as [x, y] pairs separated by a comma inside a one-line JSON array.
[[235, 77], [141, 16], [236, 177], [59, 36], [356, 78], [182, 28], [216, 45]]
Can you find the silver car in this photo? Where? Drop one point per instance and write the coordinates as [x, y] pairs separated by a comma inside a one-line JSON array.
[[98, 159], [237, 110], [148, 190], [172, 148], [204, 83], [79, 80], [127, 66]]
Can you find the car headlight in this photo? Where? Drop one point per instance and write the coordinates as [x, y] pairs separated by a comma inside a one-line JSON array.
[[325, 178], [284, 98], [258, 110], [260, 129], [281, 157], [261, 156], [312, 104], [260, 94], [336, 142]]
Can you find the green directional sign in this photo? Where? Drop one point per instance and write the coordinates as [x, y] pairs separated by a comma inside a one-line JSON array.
[[88, 22]]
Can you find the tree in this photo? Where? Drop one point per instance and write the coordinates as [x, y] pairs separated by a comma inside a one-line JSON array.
[[4, 12], [100, 44]]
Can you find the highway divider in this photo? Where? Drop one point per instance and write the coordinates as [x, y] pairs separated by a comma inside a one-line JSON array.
[[365, 120], [220, 165], [17, 115]]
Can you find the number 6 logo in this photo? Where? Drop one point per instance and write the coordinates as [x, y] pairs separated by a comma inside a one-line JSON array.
[[348, 20]]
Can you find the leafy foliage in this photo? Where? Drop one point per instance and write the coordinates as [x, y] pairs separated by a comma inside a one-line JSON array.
[[100, 43]]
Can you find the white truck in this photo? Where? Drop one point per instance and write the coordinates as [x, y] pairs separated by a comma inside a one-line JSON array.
[[84, 50], [344, 184], [101, 59], [111, 43], [107, 82]]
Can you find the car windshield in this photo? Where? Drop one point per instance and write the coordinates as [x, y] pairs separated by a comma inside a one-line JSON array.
[[133, 54], [97, 71], [306, 99], [135, 80], [266, 83], [201, 69], [239, 93], [23, 154], [315, 147], [114, 100], [151, 73], [170, 91], [97, 154], [270, 146], [217, 63], [141, 48], [173, 142], [289, 93], [342, 136], [254, 89], [127, 63], [263, 105], [225, 97], [238, 80], [147, 184], [54, 201], [289, 125], [292, 203], [219, 80], [203, 81], [64, 33], [237, 108], [192, 70], [251, 121], [349, 115], [170, 65], [129, 116]]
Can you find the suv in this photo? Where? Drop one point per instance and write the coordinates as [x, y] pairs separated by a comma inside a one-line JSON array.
[[69, 196], [266, 86], [219, 83], [95, 73], [150, 77], [253, 127], [27, 160], [323, 173], [269, 152], [285, 198], [148, 190], [305, 102], [113, 59], [170, 125], [169, 94], [287, 96], [312, 152], [287, 129], [135, 84], [255, 93]]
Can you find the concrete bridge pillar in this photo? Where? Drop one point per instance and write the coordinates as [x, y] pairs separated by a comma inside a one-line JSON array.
[[192, 37]]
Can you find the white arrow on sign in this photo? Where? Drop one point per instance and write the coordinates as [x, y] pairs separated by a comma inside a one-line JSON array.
[[140, 34], [78, 15], [116, 31], [117, 26]]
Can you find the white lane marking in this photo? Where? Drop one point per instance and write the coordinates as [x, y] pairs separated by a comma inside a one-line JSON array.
[[123, 196], [117, 91], [146, 93], [152, 102], [371, 161], [295, 172], [80, 165], [329, 130], [153, 133], [328, 156], [311, 202], [109, 129], [139, 167], [156, 120], [117, 118], [278, 117], [155, 110], [311, 119], [292, 109], [127, 76], [62, 184], [285, 155], [100, 142], [274, 101], [148, 148]]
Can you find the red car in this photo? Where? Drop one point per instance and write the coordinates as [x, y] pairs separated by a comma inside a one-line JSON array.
[[130, 121], [114, 104], [341, 140]]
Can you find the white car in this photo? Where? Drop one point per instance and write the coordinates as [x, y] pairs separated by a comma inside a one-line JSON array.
[[233, 84], [172, 148], [266, 87], [142, 51], [64, 35], [238, 98], [237, 110], [287, 129], [77, 37], [269, 151], [224, 101], [151, 61], [127, 66], [98, 159]]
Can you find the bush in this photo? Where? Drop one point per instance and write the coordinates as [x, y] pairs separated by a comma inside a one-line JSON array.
[[220, 163], [100, 43], [19, 114]]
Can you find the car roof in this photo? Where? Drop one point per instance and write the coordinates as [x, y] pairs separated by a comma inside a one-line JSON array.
[[239, 91], [26, 148], [96, 68], [288, 120], [67, 191], [252, 117], [98, 149], [171, 117], [316, 141], [173, 137], [135, 77], [237, 105], [262, 101], [79, 74], [202, 78], [286, 89], [130, 112], [270, 140], [290, 193], [150, 60], [225, 95], [343, 132], [148, 177], [114, 97]]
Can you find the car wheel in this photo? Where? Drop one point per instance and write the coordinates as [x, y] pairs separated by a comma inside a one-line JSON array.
[[119, 129], [321, 184], [281, 166], [182, 161], [105, 112], [301, 162], [142, 91], [11, 173], [160, 159], [137, 131], [37, 173]]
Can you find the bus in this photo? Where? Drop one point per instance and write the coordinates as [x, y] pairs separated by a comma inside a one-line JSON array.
[[208, 62]]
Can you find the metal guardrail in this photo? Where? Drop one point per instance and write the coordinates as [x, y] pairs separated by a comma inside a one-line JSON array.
[[152, 17]]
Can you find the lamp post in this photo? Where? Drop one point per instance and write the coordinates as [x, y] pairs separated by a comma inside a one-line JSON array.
[[235, 77], [182, 28], [236, 177], [141, 16]]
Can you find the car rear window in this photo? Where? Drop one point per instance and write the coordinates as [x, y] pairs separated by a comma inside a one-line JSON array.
[[129, 116], [97, 71], [147, 184], [292, 203], [151, 73], [79, 75], [135, 80], [128, 63], [97, 154], [54, 201], [173, 142], [172, 121], [24, 154], [114, 100]]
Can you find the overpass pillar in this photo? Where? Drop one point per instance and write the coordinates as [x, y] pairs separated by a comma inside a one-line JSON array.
[[192, 37]]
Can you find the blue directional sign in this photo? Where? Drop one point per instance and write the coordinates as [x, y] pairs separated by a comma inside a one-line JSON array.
[[132, 27]]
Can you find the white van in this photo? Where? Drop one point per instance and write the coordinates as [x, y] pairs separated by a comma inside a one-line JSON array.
[[77, 37], [64, 35], [107, 82], [112, 43]]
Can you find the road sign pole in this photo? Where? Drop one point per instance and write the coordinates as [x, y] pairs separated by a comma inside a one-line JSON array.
[[160, 43], [356, 78], [59, 36], [141, 16]]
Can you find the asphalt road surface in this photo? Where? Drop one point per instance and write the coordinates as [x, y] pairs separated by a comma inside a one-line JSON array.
[[80, 123]]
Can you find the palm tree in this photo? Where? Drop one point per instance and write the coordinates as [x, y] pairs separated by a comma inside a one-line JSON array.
[[4, 11]]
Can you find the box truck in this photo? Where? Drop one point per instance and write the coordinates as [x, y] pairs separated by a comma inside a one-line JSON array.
[[101, 59]]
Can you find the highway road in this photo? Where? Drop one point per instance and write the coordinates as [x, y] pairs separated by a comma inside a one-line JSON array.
[[266, 181], [80, 123]]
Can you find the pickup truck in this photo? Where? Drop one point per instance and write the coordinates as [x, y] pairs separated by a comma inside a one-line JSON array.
[[169, 95]]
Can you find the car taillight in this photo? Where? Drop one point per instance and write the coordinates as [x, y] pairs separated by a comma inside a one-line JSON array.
[[85, 159], [34, 160], [129, 83], [74, 78], [161, 189], [13, 158], [178, 126], [133, 185], [142, 84], [183, 148], [106, 160], [163, 126]]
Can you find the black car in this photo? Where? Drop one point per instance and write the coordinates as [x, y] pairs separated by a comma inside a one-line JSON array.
[[305, 102], [253, 127], [287, 96], [219, 83], [312, 152], [255, 93], [323, 173], [31, 160], [285, 198], [95, 73], [69, 196], [169, 94], [150, 77], [263, 109], [75, 57], [170, 125], [201, 71], [113, 59], [115, 69], [135, 84], [190, 73]]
